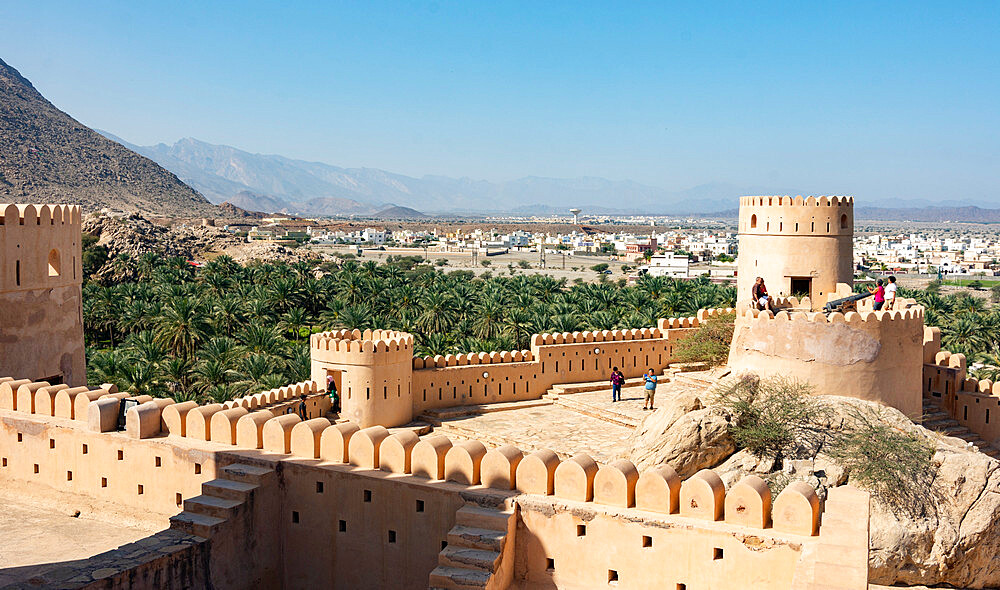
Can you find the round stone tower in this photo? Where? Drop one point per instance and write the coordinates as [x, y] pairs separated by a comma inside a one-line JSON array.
[[372, 371], [798, 245]]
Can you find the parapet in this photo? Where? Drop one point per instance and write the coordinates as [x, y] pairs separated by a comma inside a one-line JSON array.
[[354, 347], [27, 215], [472, 358], [913, 314], [804, 216]]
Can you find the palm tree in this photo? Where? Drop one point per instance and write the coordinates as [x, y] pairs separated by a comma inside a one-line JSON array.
[[182, 325]]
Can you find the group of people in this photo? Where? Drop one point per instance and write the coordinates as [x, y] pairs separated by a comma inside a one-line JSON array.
[[885, 294], [649, 386]]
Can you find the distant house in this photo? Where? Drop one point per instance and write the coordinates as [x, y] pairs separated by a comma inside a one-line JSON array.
[[670, 265]]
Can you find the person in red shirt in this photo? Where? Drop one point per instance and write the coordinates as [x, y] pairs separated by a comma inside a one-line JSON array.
[[617, 380]]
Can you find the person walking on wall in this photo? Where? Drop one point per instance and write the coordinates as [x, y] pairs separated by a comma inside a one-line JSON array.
[[879, 292], [617, 380], [650, 380], [890, 293]]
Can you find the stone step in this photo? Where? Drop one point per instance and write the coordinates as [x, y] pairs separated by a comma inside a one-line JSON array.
[[456, 578], [482, 518], [227, 488], [968, 436], [417, 428], [436, 415], [476, 538], [200, 525], [212, 506], [247, 473], [599, 413], [468, 558]]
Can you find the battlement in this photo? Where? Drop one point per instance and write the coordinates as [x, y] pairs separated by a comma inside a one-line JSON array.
[[472, 358], [27, 214], [354, 347], [910, 314], [797, 201]]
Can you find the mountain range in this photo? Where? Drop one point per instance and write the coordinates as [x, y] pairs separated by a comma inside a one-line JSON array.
[[264, 182], [46, 156]]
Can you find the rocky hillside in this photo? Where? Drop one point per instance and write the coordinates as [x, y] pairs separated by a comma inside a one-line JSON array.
[[47, 156], [947, 536]]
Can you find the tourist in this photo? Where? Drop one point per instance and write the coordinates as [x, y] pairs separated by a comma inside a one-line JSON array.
[[879, 292], [890, 293], [617, 380], [303, 411], [761, 300], [650, 380]]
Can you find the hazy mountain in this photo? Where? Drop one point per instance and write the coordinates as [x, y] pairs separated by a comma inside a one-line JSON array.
[[47, 156], [932, 214], [279, 183]]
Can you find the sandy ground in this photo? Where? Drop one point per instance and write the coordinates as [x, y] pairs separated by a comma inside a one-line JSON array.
[[35, 534]]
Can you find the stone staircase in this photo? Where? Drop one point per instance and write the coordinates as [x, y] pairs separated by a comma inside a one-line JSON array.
[[938, 420], [475, 548], [220, 499]]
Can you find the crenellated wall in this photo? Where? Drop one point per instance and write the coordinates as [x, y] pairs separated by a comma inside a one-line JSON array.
[[876, 356], [380, 382], [41, 313], [784, 238], [384, 506]]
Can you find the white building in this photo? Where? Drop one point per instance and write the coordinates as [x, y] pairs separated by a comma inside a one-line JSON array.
[[375, 236], [669, 265]]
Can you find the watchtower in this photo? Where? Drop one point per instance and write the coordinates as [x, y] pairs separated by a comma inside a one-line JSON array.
[[800, 246], [41, 312], [372, 371]]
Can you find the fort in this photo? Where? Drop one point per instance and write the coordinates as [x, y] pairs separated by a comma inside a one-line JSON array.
[[275, 490]]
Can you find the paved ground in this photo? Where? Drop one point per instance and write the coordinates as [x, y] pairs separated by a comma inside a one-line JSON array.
[[35, 535], [585, 422]]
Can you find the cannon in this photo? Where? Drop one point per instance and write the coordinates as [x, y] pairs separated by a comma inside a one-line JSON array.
[[844, 304]]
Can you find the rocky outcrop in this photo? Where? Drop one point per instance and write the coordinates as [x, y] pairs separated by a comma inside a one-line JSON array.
[[951, 538], [48, 157]]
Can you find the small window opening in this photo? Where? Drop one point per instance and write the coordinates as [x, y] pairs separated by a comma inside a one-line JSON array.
[[36, 467], [178, 498], [5, 461], [647, 541], [753, 221], [368, 495], [420, 505], [392, 536], [20, 437], [69, 476], [319, 487], [159, 462], [52, 443], [17, 273], [843, 221], [121, 455], [717, 553], [295, 516], [197, 468], [140, 489], [550, 564], [54, 266], [612, 576], [342, 526], [84, 449], [581, 530], [443, 545], [104, 482]]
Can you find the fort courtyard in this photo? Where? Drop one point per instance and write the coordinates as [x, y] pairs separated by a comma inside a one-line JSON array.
[[506, 469]]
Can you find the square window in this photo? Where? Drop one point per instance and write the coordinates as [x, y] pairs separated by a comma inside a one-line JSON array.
[[368, 495], [69, 476], [295, 516], [121, 455], [197, 468], [140, 489], [104, 482], [647, 541], [159, 462], [319, 487], [612, 577], [392, 536], [52, 443], [420, 505], [581, 530], [717, 553], [550, 564], [85, 449], [342, 526]]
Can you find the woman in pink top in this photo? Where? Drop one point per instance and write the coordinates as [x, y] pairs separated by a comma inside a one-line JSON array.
[[879, 292]]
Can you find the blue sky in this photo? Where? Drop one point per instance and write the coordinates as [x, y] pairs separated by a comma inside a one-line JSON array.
[[881, 100]]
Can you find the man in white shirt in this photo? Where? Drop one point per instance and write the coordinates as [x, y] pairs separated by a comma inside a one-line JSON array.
[[890, 293]]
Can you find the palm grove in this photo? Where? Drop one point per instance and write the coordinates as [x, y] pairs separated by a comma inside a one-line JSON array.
[[165, 328]]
